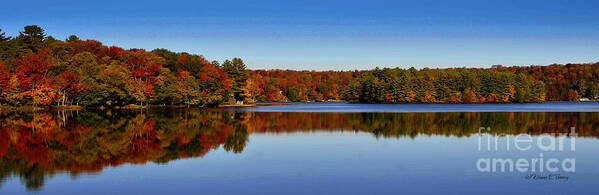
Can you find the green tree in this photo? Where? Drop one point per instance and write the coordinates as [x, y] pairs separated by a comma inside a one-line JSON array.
[[167, 91], [169, 57], [3, 37], [32, 38], [113, 78], [191, 93], [72, 38], [216, 64], [293, 94], [237, 72], [8, 47]]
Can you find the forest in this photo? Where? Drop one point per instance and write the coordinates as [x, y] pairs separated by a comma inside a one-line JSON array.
[[41, 71]]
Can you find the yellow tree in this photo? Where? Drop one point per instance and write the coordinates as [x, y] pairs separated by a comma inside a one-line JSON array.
[[135, 88], [246, 91], [12, 95]]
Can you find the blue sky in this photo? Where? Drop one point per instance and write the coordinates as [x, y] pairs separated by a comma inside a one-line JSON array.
[[331, 35]]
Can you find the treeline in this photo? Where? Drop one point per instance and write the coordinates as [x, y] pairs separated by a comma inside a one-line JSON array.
[[38, 70], [297, 86], [519, 84], [565, 82], [460, 85]]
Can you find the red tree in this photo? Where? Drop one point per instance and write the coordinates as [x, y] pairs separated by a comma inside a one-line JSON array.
[[32, 69]]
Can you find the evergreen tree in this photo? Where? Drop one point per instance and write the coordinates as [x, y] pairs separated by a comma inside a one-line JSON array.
[[72, 38], [7, 48], [236, 70], [32, 38], [3, 37]]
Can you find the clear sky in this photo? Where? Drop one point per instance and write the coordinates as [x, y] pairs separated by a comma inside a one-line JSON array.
[[331, 34]]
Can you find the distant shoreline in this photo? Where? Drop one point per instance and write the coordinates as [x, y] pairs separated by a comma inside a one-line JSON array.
[[257, 104]]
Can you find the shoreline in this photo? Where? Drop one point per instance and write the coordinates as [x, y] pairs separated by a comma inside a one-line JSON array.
[[30, 108]]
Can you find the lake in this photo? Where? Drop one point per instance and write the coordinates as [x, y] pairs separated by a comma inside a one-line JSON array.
[[305, 148]]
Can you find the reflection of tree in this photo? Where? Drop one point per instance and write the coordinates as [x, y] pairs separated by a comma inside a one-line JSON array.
[[239, 136], [413, 124], [33, 146]]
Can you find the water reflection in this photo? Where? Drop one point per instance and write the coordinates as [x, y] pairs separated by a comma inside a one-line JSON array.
[[34, 146]]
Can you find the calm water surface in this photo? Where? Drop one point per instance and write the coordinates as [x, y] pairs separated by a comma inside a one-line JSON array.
[[346, 107], [308, 148]]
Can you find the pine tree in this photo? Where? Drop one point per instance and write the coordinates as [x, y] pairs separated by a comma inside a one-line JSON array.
[[32, 38], [3, 37], [237, 72]]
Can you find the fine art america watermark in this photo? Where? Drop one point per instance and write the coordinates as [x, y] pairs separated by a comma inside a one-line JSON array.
[[538, 166]]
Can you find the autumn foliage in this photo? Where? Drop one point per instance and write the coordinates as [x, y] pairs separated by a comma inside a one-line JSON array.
[[49, 72], [88, 73]]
